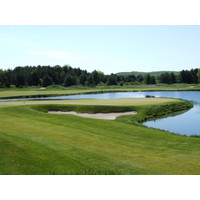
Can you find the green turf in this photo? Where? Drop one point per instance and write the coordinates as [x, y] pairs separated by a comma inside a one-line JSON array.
[[35, 142]]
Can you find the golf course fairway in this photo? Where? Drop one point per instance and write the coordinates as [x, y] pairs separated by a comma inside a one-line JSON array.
[[35, 142]]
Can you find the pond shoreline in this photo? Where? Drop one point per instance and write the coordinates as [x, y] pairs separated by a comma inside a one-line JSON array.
[[98, 91]]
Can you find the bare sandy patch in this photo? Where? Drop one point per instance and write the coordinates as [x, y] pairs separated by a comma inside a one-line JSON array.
[[108, 116]]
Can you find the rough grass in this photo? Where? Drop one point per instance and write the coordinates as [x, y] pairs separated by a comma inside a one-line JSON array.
[[34, 142]]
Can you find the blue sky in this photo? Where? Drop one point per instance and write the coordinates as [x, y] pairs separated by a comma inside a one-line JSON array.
[[110, 49]]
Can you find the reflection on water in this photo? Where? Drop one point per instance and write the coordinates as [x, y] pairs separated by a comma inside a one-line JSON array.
[[186, 123]]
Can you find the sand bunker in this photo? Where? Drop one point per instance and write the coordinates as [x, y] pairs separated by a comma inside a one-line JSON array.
[[108, 116]]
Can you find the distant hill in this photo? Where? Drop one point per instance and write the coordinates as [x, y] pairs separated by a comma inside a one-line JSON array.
[[156, 73]]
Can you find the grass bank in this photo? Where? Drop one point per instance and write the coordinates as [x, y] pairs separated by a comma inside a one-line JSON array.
[[146, 109], [150, 112], [35, 142]]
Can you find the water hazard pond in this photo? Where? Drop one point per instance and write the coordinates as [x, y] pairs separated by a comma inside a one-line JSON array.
[[187, 123]]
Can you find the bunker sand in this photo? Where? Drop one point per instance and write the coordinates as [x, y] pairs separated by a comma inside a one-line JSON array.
[[107, 116]]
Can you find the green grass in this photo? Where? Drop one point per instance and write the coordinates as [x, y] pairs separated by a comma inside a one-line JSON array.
[[35, 142]]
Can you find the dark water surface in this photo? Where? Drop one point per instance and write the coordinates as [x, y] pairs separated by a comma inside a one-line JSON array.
[[187, 123]]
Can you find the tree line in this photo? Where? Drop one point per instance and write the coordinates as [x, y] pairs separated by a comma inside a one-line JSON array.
[[68, 76]]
